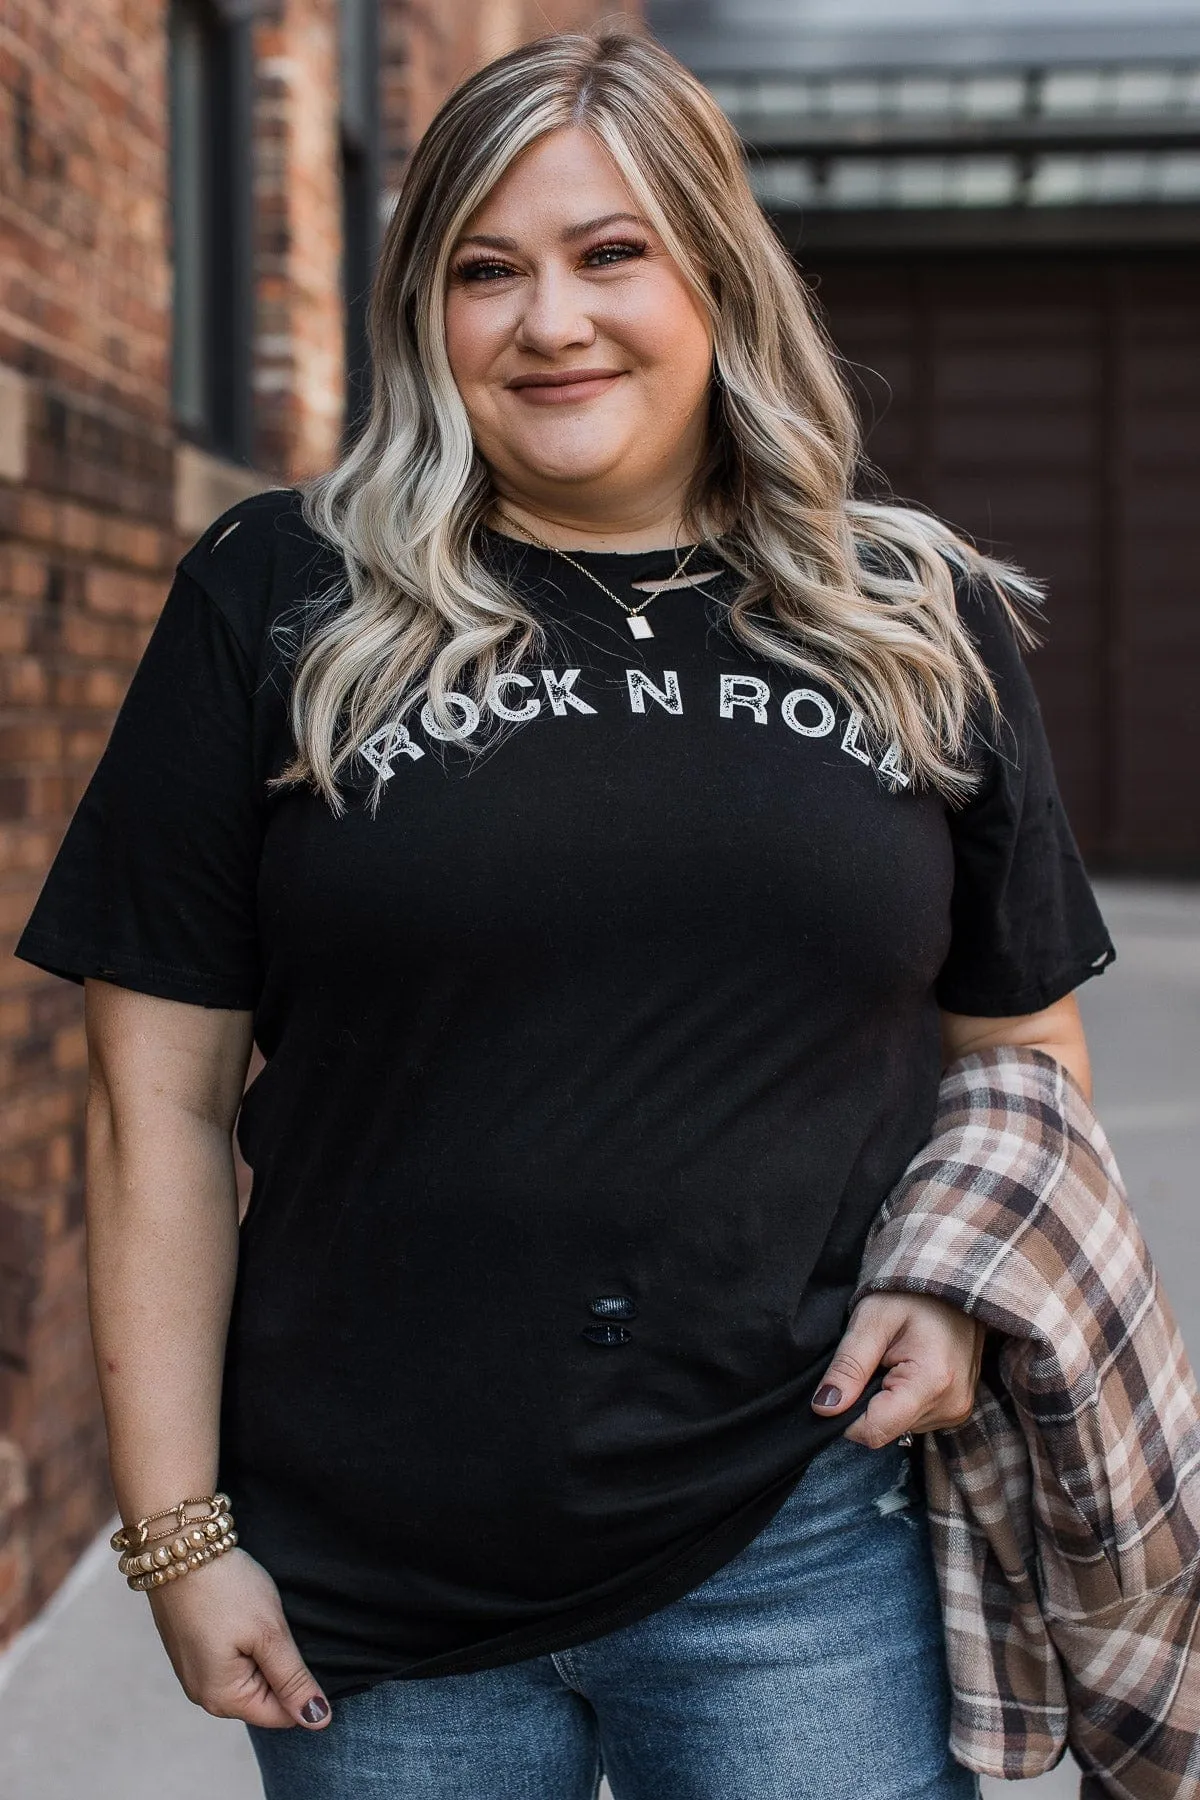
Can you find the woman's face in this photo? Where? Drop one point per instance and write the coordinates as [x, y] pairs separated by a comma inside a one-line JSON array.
[[582, 356]]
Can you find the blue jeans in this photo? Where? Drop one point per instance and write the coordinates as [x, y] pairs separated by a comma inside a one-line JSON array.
[[809, 1667]]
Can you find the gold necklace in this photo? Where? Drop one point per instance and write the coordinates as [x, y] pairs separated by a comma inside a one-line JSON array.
[[639, 627]]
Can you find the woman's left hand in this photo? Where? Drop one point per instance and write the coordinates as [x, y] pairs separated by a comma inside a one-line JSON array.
[[931, 1352]]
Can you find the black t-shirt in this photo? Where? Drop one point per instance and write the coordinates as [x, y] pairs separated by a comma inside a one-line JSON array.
[[589, 1061]]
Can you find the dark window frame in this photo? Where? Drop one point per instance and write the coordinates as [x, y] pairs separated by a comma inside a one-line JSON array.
[[211, 198], [361, 161]]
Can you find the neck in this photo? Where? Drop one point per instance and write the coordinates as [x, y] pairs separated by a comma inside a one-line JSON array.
[[657, 528]]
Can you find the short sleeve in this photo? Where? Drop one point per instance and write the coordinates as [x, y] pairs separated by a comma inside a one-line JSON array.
[[154, 885], [1025, 926]]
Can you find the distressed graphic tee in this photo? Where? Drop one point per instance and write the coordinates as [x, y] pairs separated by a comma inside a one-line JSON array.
[[589, 1061]]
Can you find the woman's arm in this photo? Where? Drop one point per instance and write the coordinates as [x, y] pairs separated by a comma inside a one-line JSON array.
[[1058, 1030], [164, 1085], [932, 1351], [165, 1082]]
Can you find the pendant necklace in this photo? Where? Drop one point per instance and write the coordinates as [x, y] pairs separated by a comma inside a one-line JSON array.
[[638, 624]]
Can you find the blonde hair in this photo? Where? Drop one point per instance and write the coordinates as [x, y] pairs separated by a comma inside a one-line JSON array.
[[858, 595]]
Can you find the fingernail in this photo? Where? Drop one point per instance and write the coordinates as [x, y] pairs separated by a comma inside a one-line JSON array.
[[314, 1710], [828, 1396]]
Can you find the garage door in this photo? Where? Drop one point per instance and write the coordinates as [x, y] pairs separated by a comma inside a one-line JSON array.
[[1051, 407]]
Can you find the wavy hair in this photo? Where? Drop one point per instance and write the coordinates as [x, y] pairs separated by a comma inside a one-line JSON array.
[[856, 594]]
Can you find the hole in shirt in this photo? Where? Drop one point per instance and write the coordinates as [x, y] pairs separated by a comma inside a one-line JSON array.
[[607, 1334], [614, 1306]]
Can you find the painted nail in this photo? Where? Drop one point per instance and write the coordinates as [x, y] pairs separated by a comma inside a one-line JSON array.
[[828, 1396], [314, 1710]]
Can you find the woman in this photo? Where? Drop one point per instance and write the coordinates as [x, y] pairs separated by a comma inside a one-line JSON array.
[[607, 830]]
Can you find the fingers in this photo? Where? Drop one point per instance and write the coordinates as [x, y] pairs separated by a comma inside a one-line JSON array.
[[246, 1695], [232, 1649], [932, 1353], [891, 1413], [268, 1685], [855, 1360], [294, 1688]]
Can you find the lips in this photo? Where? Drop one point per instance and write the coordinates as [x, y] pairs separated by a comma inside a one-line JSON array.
[[548, 387]]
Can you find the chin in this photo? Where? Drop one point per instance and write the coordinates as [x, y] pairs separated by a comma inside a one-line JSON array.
[[579, 449], [571, 474], [574, 469]]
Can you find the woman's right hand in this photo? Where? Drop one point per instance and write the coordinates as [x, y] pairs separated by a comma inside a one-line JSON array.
[[232, 1649]]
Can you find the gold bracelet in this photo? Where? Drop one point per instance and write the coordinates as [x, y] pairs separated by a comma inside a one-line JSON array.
[[160, 1552], [131, 1537], [149, 1560], [159, 1574]]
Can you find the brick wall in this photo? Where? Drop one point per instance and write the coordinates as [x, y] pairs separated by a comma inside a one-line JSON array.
[[429, 48], [98, 499], [86, 541], [300, 350]]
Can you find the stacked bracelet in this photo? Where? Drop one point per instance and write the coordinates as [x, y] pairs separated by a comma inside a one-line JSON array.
[[148, 1560]]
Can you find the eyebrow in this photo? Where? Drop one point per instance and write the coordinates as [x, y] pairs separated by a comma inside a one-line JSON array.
[[569, 236]]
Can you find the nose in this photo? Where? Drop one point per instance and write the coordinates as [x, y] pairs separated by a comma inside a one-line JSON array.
[[552, 318]]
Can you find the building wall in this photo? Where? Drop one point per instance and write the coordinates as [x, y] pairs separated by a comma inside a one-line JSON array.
[[997, 208], [98, 498], [299, 350], [86, 516], [433, 47], [1050, 406]]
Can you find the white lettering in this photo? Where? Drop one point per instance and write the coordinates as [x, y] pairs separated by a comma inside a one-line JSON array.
[[807, 696], [890, 768], [464, 704], [558, 691], [744, 690], [850, 737], [531, 708], [667, 696], [383, 746]]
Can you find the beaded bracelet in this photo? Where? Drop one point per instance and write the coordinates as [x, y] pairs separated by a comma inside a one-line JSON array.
[[149, 1561]]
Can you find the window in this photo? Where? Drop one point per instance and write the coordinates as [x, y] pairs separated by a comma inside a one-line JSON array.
[[211, 227], [359, 63]]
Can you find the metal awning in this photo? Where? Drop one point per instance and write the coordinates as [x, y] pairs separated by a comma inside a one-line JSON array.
[[725, 37], [1000, 126]]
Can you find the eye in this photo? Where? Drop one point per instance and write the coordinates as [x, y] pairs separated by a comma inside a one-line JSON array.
[[605, 256], [481, 268]]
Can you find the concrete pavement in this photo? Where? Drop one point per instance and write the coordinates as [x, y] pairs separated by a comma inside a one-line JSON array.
[[89, 1708]]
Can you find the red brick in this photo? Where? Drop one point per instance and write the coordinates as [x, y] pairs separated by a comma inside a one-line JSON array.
[[14, 1017], [118, 594], [14, 630], [24, 1170], [14, 797], [29, 744], [46, 797], [24, 848], [23, 681], [70, 1049], [16, 903], [14, 1579], [62, 1156], [30, 1116], [85, 745]]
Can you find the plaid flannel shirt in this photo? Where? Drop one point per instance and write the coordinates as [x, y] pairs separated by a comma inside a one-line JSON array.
[[1065, 1514]]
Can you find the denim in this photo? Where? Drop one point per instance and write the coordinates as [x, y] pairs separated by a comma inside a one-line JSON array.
[[810, 1666]]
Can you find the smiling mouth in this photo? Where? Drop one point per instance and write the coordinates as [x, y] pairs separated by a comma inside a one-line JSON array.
[[569, 385]]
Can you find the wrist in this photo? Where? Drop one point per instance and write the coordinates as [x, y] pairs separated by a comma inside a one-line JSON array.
[[163, 1546], [146, 1487]]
